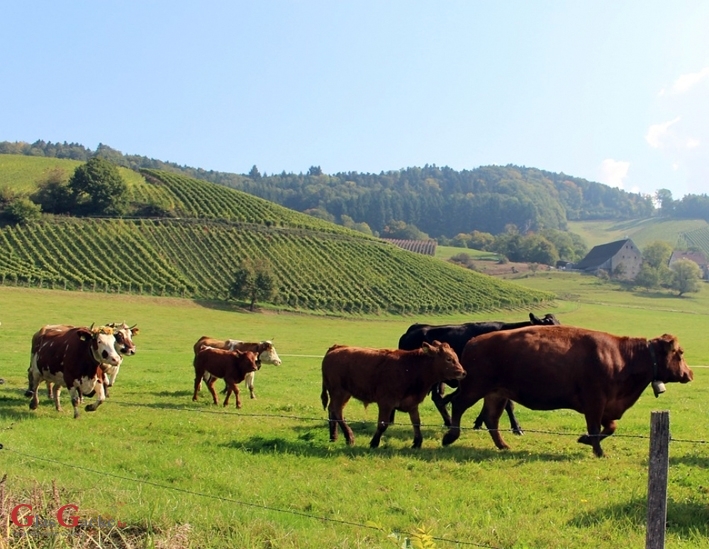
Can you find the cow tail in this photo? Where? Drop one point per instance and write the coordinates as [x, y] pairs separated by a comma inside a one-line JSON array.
[[324, 395]]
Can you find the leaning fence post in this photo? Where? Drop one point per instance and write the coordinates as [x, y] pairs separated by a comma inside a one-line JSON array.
[[657, 479]]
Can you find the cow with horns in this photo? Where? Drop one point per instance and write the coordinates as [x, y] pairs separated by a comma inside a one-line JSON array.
[[76, 358], [124, 347]]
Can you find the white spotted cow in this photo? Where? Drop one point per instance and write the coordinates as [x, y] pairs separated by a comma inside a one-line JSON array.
[[75, 358]]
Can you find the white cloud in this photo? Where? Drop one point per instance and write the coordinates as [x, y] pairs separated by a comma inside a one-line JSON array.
[[685, 82], [692, 143], [657, 132], [613, 172]]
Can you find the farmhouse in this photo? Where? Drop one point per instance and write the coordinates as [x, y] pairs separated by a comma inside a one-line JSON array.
[[698, 257], [621, 259]]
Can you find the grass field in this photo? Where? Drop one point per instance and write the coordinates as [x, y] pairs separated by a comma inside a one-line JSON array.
[[641, 231], [184, 474]]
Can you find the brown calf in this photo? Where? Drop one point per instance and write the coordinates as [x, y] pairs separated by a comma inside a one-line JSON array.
[[232, 366], [394, 379]]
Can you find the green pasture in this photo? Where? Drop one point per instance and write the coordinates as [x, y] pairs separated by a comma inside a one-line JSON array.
[[184, 474], [641, 231]]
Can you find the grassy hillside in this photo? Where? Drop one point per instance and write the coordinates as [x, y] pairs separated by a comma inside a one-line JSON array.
[[317, 265], [642, 231]]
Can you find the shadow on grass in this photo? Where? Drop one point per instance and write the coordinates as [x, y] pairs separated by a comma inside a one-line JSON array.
[[314, 442], [691, 461], [15, 405], [683, 518]]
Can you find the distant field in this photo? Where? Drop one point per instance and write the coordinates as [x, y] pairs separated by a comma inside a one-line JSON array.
[[642, 232]]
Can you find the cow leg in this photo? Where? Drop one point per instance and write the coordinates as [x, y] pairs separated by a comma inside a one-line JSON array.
[[416, 423], [33, 379], [198, 383], [56, 392], [382, 424], [49, 388], [249, 382], [495, 406], [593, 437], [232, 388], [440, 401], [210, 386], [335, 409], [460, 404], [100, 397], [75, 400]]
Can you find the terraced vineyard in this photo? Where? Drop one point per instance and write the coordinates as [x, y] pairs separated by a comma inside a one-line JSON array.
[[698, 238], [425, 247], [196, 258], [317, 265]]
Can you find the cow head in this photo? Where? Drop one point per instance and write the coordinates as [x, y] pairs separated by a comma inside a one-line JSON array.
[[246, 360], [445, 359], [548, 320], [268, 354], [124, 337], [102, 343], [669, 361]]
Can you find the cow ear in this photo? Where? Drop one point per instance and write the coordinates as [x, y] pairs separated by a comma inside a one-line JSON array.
[[134, 330], [427, 348], [84, 334], [534, 319]]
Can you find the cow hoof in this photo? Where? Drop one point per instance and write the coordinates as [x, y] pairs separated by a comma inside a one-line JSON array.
[[416, 444], [450, 437], [33, 406], [584, 439], [90, 408], [518, 432], [29, 393]]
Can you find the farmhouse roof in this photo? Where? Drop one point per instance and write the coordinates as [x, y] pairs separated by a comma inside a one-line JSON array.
[[698, 257], [600, 254]]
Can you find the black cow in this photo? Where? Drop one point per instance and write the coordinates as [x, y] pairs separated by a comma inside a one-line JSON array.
[[457, 335]]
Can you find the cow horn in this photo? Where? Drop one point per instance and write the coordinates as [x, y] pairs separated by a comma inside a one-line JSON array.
[[134, 325], [91, 328]]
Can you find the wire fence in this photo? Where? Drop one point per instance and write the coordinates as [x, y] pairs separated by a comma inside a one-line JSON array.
[[231, 500]]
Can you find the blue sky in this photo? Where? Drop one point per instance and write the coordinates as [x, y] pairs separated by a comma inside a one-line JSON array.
[[612, 91]]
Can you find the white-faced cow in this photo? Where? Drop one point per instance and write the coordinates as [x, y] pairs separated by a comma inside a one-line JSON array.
[[457, 335], [265, 353], [75, 358], [394, 379], [124, 346], [546, 368], [231, 366]]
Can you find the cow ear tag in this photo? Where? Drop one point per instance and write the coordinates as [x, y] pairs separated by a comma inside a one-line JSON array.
[[658, 388]]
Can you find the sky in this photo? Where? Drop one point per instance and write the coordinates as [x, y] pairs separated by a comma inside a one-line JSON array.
[[610, 91]]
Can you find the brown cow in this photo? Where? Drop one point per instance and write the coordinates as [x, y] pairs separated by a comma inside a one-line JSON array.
[[265, 352], [394, 379], [550, 367], [232, 366], [75, 358]]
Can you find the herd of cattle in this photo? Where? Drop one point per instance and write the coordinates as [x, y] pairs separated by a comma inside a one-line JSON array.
[[537, 363]]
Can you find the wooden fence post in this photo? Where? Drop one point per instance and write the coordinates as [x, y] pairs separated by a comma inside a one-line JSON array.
[[657, 479]]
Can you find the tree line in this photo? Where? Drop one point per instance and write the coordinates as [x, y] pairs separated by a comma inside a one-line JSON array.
[[439, 201]]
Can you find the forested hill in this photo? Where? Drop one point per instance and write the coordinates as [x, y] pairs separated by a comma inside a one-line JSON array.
[[439, 201]]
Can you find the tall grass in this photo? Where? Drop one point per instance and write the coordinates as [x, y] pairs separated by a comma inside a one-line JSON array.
[[196, 475]]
